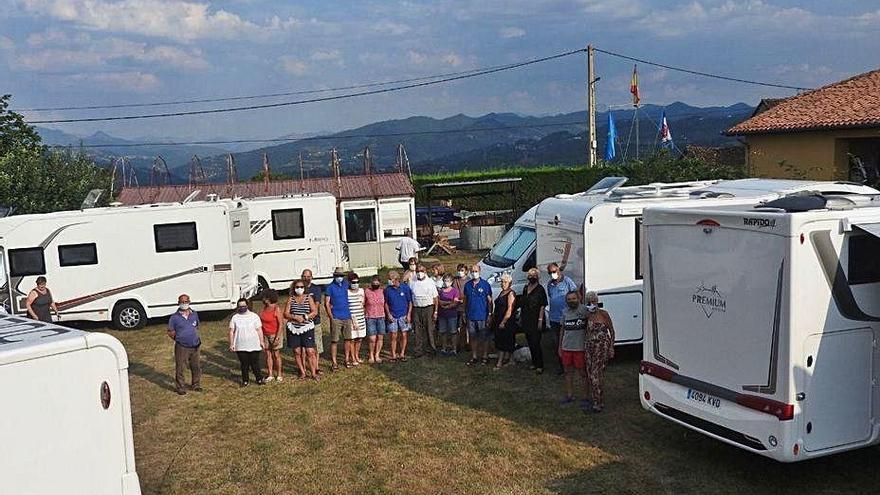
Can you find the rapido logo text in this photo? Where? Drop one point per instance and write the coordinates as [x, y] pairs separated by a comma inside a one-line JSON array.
[[761, 223]]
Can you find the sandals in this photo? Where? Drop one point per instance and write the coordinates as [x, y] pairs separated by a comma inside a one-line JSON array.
[[403, 359], [333, 367], [473, 362], [484, 361]]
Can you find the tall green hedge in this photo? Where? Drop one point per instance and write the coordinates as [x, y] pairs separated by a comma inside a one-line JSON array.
[[542, 182]]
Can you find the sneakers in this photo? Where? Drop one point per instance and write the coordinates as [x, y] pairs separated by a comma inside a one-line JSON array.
[[279, 379], [269, 378], [244, 384]]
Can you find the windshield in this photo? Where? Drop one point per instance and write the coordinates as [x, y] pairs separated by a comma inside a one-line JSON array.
[[511, 247]]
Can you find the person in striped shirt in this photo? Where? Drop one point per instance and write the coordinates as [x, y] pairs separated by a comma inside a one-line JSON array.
[[358, 321]]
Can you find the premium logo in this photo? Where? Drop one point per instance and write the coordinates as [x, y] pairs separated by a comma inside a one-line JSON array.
[[761, 223], [709, 299]]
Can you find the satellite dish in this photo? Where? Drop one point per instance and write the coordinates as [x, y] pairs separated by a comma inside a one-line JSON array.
[[91, 199]]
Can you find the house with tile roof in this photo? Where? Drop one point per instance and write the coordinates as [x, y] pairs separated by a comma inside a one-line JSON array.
[[830, 133]]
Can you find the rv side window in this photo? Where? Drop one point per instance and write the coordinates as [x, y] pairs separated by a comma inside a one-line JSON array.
[[26, 262], [640, 241], [172, 237], [287, 224], [864, 264], [78, 254], [395, 218], [360, 225]]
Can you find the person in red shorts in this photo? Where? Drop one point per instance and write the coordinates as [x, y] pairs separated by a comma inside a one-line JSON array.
[[572, 347]]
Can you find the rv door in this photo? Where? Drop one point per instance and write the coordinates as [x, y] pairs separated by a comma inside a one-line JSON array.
[[5, 289]]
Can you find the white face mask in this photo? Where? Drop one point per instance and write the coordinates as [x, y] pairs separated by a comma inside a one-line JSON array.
[[299, 291], [421, 275], [338, 280], [475, 275], [412, 267], [183, 306], [592, 307], [447, 283], [462, 274], [554, 275]]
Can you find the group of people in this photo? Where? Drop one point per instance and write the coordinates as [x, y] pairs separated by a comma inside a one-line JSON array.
[[420, 312]]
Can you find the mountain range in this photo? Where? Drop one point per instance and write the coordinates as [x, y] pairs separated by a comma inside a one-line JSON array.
[[449, 144]]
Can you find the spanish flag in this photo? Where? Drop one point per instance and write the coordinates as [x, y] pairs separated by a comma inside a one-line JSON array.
[[634, 86]]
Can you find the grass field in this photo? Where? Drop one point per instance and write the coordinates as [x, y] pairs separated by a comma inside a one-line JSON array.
[[432, 425]]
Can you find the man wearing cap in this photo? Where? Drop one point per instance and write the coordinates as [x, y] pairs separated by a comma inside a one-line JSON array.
[[336, 305], [183, 328]]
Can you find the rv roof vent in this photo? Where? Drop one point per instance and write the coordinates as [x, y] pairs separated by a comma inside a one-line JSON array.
[[797, 202], [116, 204], [710, 194], [91, 199], [211, 198]]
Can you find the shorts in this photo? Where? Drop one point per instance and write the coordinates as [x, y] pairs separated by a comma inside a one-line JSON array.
[[448, 324], [376, 326], [340, 328], [573, 359], [399, 325], [479, 331], [275, 341], [305, 339]]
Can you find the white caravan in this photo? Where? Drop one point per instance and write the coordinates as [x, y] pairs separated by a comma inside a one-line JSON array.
[[596, 236], [291, 233], [761, 324], [127, 264], [67, 415]]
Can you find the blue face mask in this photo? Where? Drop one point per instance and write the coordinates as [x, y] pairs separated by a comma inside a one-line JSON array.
[[242, 309]]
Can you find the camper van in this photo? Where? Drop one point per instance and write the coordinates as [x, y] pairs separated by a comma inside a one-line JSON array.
[[514, 253], [761, 323], [128, 264], [291, 233], [67, 420], [596, 236]]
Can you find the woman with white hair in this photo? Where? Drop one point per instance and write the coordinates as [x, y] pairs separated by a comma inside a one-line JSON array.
[[532, 303], [503, 322], [599, 346]]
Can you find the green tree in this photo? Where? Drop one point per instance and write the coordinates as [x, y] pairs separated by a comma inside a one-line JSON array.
[[14, 131], [46, 180]]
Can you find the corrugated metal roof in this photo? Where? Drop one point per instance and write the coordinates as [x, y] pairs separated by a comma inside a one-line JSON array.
[[851, 103], [384, 185]]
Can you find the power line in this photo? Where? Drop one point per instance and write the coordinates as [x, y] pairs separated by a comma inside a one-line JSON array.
[[253, 97], [316, 100], [326, 138], [699, 73]]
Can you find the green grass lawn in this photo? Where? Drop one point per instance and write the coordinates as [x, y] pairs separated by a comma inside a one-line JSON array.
[[432, 425]]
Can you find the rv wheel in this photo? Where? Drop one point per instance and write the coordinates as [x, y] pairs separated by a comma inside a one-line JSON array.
[[129, 315], [262, 286]]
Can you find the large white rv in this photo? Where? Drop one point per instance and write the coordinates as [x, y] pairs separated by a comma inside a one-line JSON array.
[[67, 415], [127, 264], [761, 323], [597, 238], [291, 233]]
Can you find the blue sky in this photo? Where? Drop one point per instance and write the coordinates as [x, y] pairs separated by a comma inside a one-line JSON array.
[[74, 52]]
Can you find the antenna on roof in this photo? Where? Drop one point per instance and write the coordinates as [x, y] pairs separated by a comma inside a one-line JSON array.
[[231, 172], [302, 180], [91, 199], [265, 172], [159, 174], [334, 170], [403, 162], [191, 196], [368, 161], [196, 172]]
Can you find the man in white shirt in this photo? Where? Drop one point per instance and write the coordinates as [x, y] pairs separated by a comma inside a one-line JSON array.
[[425, 305], [408, 248]]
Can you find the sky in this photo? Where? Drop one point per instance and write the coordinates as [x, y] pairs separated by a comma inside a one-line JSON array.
[[97, 52]]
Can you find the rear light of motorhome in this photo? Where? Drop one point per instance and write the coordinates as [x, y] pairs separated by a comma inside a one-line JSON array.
[[781, 410], [105, 395], [708, 223], [647, 396], [655, 370]]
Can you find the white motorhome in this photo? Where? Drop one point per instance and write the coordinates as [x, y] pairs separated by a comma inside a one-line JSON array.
[[67, 413], [514, 253], [291, 233], [128, 264], [761, 323], [596, 236]]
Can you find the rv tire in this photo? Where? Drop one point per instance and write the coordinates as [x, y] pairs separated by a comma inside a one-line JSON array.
[[129, 315], [262, 286]]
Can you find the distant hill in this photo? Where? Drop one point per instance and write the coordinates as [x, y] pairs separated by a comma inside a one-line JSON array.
[[449, 144]]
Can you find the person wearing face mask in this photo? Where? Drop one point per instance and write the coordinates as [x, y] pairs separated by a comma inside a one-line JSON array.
[[599, 342], [246, 340], [183, 328], [398, 312], [532, 303], [449, 298], [478, 302], [374, 306], [358, 321], [461, 278], [425, 306], [408, 248], [317, 295], [557, 289], [437, 273], [301, 314], [504, 324], [409, 273], [337, 307], [572, 344]]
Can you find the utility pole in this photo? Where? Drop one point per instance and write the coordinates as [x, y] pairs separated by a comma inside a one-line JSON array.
[[591, 105]]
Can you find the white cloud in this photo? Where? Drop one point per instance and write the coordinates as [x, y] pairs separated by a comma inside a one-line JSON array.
[[452, 59], [135, 81], [326, 55], [390, 27], [416, 58], [294, 65], [59, 51], [511, 32], [6, 43], [175, 19]]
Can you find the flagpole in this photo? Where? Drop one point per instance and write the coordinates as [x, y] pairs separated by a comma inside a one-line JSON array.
[[591, 107]]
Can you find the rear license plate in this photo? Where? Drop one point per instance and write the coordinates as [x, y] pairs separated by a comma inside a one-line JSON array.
[[703, 398]]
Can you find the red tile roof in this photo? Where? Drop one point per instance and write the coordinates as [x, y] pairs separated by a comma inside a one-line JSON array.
[[349, 187], [851, 103]]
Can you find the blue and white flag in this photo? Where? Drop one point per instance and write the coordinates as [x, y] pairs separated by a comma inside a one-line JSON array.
[[610, 146], [665, 133]]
